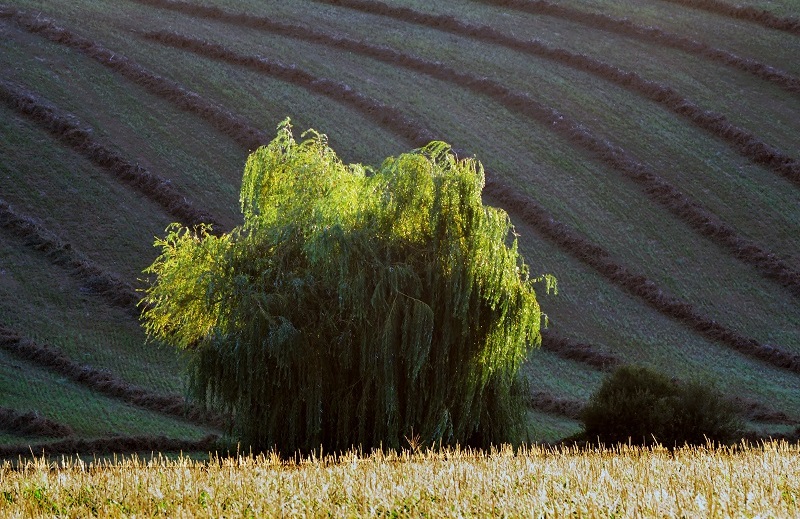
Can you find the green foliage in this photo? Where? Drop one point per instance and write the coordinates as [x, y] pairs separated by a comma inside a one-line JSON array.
[[353, 306], [643, 406]]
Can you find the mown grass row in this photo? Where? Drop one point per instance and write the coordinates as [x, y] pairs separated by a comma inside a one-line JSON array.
[[104, 382], [73, 133], [109, 445], [63, 254], [657, 188], [657, 36], [746, 13], [582, 352], [508, 198], [46, 242], [744, 142], [220, 119], [31, 423]]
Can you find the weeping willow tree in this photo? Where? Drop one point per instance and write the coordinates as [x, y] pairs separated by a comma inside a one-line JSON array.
[[354, 306]]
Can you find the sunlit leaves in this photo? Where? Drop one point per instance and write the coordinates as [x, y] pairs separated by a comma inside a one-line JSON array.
[[353, 306]]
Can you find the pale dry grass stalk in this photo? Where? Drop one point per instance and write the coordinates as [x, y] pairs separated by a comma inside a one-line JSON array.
[[759, 481]]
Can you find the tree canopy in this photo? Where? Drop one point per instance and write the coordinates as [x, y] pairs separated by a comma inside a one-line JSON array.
[[354, 306]]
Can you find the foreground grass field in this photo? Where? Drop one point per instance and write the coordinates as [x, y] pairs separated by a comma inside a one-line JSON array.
[[758, 481]]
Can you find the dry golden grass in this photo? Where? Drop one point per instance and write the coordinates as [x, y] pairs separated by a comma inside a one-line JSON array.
[[761, 481]]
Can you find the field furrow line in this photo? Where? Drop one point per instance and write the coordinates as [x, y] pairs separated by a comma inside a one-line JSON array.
[[115, 291], [551, 404], [654, 35], [581, 352], [746, 13], [104, 382], [69, 130], [218, 117], [756, 411], [508, 198], [31, 424], [42, 240], [109, 445], [655, 187], [743, 142]]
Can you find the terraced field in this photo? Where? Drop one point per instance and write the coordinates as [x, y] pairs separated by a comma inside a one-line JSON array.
[[647, 151]]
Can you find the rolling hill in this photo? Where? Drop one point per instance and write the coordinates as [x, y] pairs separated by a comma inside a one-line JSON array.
[[648, 153]]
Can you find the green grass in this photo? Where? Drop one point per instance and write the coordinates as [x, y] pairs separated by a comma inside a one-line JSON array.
[[770, 46], [42, 302], [28, 387], [114, 226]]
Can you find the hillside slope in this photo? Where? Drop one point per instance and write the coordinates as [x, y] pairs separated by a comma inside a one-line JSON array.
[[648, 153]]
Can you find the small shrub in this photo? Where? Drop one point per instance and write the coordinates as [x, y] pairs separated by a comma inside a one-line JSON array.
[[641, 406]]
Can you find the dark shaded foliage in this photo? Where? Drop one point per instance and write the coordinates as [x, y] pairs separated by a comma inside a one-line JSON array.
[[641, 406]]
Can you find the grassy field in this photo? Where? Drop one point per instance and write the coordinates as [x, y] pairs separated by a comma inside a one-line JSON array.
[[647, 152], [628, 482]]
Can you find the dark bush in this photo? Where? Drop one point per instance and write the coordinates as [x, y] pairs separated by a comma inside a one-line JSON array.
[[641, 406]]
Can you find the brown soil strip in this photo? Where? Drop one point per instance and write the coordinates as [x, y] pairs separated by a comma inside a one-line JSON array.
[[579, 352], [658, 189], [71, 132], [109, 445], [742, 141], [551, 404], [31, 424], [758, 412], [104, 382], [654, 35], [95, 279], [514, 202], [191, 102], [746, 13]]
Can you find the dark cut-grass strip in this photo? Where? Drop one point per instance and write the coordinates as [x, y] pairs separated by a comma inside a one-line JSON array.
[[745, 13], [98, 281], [218, 117], [105, 382], [110, 445], [655, 187], [581, 352], [43, 240], [31, 423], [740, 140], [551, 404], [654, 35], [71, 132], [511, 200]]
